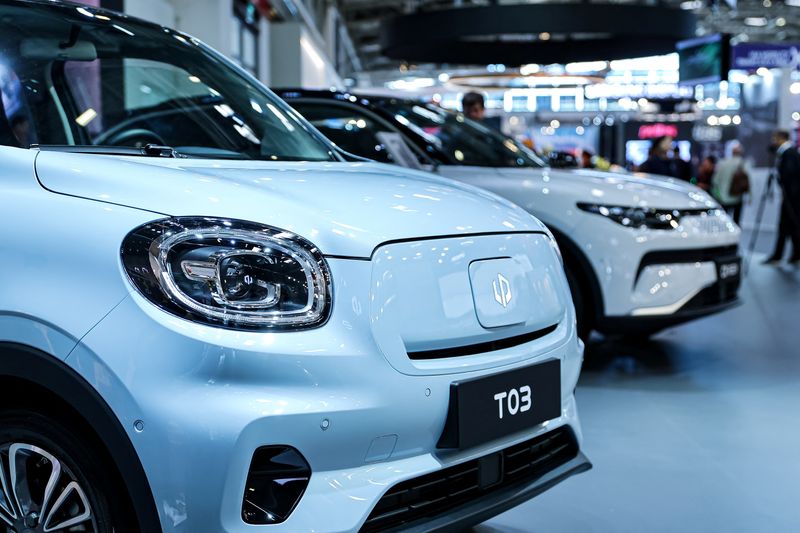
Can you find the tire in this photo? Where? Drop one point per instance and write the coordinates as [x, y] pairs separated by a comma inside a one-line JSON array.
[[581, 308], [36, 450]]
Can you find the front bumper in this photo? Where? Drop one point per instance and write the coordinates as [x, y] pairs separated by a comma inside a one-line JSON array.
[[653, 277], [702, 282], [208, 398]]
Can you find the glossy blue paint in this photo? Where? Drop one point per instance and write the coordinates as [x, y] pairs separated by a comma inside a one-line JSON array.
[[208, 397]]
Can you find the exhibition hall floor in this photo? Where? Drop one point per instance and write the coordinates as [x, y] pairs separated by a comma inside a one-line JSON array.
[[696, 430]]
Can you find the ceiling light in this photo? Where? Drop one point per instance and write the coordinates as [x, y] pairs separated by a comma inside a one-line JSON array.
[[737, 119], [793, 3], [795, 116], [794, 88], [534, 81], [712, 120], [762, 71], [691, 4], [410, 84], [665, 62], [444, 77], [544, 36], [725, 120], [585, 66], [531, 68], [756, 21], [767, 3], [780, 21]]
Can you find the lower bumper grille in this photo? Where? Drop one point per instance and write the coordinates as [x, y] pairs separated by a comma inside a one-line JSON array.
[[720, 293], [702, 255], [431, 495]]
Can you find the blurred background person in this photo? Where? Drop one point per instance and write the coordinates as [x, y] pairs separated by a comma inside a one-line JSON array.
[[474, 106], [681, 167], [659, 160], [731, 181], [787, 166], [587, 159], [705, 171]]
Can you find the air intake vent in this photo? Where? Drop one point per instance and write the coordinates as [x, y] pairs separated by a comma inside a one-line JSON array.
[[430, 495]]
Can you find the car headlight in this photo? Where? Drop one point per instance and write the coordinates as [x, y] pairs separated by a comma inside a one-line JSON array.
[[229, 273], [643, 217]]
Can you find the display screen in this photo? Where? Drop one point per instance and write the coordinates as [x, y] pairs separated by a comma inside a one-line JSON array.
[[704, 60], [636, 152]]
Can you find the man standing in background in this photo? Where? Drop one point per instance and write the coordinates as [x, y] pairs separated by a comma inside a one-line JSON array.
[[728, 181], [787, 165], [473, 106]]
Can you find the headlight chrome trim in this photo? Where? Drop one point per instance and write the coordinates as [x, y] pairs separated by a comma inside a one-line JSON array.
[[149, 258]]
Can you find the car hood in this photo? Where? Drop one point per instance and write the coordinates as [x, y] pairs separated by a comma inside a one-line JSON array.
[[613, 188], [346, 209]]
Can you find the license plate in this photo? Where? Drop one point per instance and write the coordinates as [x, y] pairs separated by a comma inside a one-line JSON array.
[[491, 407], [729, 269]]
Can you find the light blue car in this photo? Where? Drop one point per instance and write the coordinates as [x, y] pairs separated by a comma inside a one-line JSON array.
[[210, 321]]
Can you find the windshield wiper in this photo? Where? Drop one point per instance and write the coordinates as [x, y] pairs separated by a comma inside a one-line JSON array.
[[148, 150]]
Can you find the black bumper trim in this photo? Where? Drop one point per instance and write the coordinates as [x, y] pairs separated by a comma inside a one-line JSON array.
[[632, 325], [700, 255], [498, 502], [483, 347], [473, 491]]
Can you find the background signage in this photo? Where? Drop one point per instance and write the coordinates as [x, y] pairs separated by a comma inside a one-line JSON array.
[[751, 56]]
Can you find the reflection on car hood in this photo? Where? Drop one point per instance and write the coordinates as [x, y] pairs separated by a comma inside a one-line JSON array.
[[346, 209], [614, 188]]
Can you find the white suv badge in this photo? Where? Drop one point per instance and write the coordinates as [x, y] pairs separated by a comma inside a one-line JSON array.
[[502, 290]]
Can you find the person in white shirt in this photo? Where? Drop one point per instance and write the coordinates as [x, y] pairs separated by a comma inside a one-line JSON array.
[[723, 178]]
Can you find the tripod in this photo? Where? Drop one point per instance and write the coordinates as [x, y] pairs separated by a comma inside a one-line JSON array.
[[759, 216]]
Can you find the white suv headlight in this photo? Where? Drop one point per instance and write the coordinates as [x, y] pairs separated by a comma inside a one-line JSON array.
[[229, 273], [646, 217]]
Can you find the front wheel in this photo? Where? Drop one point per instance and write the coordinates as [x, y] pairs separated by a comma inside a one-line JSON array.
[[49, 479]]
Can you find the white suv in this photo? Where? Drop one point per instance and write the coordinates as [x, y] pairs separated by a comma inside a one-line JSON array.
[[641, 253], [401, 353]]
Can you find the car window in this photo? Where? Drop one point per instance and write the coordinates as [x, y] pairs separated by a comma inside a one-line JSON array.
[[15, 116], [460, 141], [348, 128], [112, 81]]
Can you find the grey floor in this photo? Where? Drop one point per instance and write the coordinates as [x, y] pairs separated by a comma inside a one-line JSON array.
[[695, 430]]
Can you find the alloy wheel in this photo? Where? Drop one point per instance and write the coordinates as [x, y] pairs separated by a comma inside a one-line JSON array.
[[41, 494]]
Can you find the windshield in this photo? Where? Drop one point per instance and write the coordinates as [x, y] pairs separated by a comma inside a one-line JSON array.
[[71, 75], [459, 140]]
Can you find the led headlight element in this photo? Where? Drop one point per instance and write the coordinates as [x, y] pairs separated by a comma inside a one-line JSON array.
[[229, 273], [638, 217]]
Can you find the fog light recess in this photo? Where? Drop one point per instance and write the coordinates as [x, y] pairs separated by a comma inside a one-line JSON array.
[[276, 481]]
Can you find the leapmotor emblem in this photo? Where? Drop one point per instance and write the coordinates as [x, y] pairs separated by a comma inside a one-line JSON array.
[[502, 290]]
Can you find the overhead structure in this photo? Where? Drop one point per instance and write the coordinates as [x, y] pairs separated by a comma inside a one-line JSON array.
[[515, 34]]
